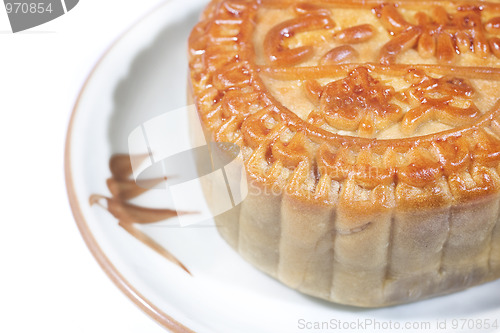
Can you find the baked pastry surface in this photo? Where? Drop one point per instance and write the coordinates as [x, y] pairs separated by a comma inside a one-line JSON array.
[[370, 135]]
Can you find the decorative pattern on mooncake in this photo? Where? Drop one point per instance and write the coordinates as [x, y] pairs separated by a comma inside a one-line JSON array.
[[378, 121]]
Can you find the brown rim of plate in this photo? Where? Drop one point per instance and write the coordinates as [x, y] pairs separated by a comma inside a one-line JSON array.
[[118, 279]]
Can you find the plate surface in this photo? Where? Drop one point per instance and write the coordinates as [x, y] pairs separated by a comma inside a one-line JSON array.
[[143, 75]]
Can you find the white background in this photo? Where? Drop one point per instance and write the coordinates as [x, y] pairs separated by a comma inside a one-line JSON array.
[[49, 281]]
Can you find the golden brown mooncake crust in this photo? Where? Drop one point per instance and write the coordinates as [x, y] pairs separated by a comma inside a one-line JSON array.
[[370, 134]]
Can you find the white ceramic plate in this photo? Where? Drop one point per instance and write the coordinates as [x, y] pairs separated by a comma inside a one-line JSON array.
[[141, 76]]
